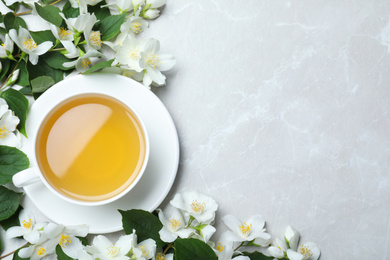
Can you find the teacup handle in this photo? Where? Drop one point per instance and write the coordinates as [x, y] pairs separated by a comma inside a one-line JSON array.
[[25, 177]]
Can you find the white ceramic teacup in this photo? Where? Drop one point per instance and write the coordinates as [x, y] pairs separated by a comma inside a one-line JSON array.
[[89, 147]]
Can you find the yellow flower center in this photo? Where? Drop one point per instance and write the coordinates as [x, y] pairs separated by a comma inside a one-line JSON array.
[[134, 54], [175, 224], [3, 132], [113, 250], [41, 251], [220, 247], [64, 33], [160, 256], [145, 252], [27, 224], [5, 46], [95, 38], [65, 240], [198, 207], [86, 63], [136, 27], [128, 74], [245, 228], [153, 60], [30, 44], [305, 251]]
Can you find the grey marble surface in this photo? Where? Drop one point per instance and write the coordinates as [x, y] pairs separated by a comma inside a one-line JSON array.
[[282, 110]]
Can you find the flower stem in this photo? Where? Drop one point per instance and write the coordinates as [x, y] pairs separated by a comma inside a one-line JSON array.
[[3, 256], [168, 247], [190, 221], [242, 243]]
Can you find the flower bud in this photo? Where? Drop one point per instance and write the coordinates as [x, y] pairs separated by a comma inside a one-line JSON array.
[[13, 78], [156, 3], [292, 237], [152, 13]]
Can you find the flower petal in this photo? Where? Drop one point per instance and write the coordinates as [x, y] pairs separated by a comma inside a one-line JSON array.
[[167, 236]]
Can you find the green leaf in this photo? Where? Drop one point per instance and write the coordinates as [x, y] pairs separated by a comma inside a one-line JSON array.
[[61, 255], [193, 249], [6, 64], [12, 160], [13, 22], [99, 66], [41, 84], [50, 13], [3, 31], [145, 223], [55, 60], [10, 201], [43, 36], [43, 69], [99, 11], [26, 91], [18, 103], [110, 26], [13, 7], [257, 256], [12, 221], [23, 74], [69, 11]]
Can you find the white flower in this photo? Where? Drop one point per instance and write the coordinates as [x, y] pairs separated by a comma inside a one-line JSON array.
[[65, 36], [148, 248], [153, 63], [161, 256], [104, 249], [84, 62], [7, 47], [84, 255], [42, 249], [83, 22], [129, 53], [8, 122], [28, 228], [307, 251], [27, 44], [66, 237], [225, 249], [122, 6], [132, 74], [249, 230], [134, 25], [289, 247], [278, 248], [197, 205], [93, 39], [173, 226]]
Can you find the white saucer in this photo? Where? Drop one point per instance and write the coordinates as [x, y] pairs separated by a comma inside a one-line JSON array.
[[154, 184]]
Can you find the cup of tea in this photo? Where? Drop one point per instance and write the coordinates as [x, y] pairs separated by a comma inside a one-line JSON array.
[[89, 147]]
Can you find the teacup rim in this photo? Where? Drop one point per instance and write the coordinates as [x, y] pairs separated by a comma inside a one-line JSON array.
[[52, 96]]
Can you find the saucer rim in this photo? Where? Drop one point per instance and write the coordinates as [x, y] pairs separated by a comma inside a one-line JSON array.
[[175, 155]]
